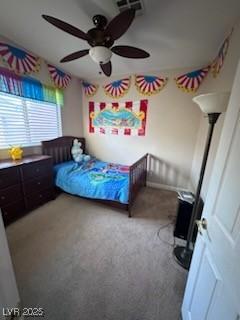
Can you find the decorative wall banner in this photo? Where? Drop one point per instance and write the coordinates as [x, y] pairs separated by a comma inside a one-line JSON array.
[[20, 61], [118, 88], [219, 60], [89, 88], [125, 118], [148, 85], [60, 79], [190, 82]]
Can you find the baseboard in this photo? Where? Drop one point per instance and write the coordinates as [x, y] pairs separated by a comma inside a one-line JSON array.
[[164, 186]]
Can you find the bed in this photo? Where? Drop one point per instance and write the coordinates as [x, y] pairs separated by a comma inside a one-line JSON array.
[[108, 183]]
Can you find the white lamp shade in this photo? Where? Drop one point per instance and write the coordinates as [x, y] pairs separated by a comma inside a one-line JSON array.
[[100, 54], [212, 102]]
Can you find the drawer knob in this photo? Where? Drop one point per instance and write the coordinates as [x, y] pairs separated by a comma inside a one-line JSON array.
[[39, 183], [2, 198]]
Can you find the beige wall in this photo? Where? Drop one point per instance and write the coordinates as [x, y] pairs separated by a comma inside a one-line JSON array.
[[176, 129], [71, 111], [172, 126], [223, 82]]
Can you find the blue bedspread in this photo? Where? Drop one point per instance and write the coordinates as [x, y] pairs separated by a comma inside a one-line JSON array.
[[94, 179]]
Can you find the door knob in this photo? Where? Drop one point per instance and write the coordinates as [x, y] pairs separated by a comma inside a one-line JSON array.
[[201, 225]]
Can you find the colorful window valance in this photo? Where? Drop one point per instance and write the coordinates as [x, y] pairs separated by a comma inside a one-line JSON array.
[[28, 87]]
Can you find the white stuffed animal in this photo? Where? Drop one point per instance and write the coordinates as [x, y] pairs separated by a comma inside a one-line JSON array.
[[77, 152]]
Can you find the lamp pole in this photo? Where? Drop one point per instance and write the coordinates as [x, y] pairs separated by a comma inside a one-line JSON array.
[[183, 254]]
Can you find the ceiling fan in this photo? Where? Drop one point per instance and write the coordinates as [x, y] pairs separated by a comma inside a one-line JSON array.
[[101, 39]]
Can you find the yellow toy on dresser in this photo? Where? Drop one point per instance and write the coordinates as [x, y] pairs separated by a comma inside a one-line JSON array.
[[16, 153]]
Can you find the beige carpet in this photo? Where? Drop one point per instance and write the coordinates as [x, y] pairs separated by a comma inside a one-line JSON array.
[[84, 261]]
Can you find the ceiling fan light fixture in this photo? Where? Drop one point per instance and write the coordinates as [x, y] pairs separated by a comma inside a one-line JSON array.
[[100, 54], [102, 37]]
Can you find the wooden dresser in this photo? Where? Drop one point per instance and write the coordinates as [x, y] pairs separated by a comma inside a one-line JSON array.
[[25, 185]]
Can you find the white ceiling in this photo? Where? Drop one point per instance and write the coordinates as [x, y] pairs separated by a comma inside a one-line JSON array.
[[177, 33]]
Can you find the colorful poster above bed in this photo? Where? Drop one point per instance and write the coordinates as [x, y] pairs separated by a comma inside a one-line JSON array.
[[148, 85], [20, 61], [190, 82], [89, 89], [118, 88], [60, 79], [123, 118], [219, 60]]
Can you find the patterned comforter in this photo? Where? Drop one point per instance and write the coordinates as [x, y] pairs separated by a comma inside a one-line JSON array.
[[94, 179]]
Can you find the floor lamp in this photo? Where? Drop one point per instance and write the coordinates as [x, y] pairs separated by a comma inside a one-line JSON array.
[[212, 104]]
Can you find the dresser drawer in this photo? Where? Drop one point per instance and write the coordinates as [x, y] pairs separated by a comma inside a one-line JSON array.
[[8, 177], [36, 199], [10, 194], [37, 169], [13, 211], [36, 185]]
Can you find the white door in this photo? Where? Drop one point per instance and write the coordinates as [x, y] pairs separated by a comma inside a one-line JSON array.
[[9, 297], [213, 286]]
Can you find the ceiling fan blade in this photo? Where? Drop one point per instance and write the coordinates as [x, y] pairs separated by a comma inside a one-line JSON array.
[[107, 68], [66, 27], [119, 25], [130, 52], [75, 55]]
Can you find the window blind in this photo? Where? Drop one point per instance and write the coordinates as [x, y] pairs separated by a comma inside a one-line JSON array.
[[25, 122]]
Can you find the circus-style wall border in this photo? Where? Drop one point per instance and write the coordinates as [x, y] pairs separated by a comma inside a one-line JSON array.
[[117, 88], [18, 60], [191, 81], [22, 62], [218, 62], [151, 84], [60, 79], [89, 89], [148, 85]]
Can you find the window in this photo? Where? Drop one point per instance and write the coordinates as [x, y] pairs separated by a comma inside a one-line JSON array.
[[26, 122]]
